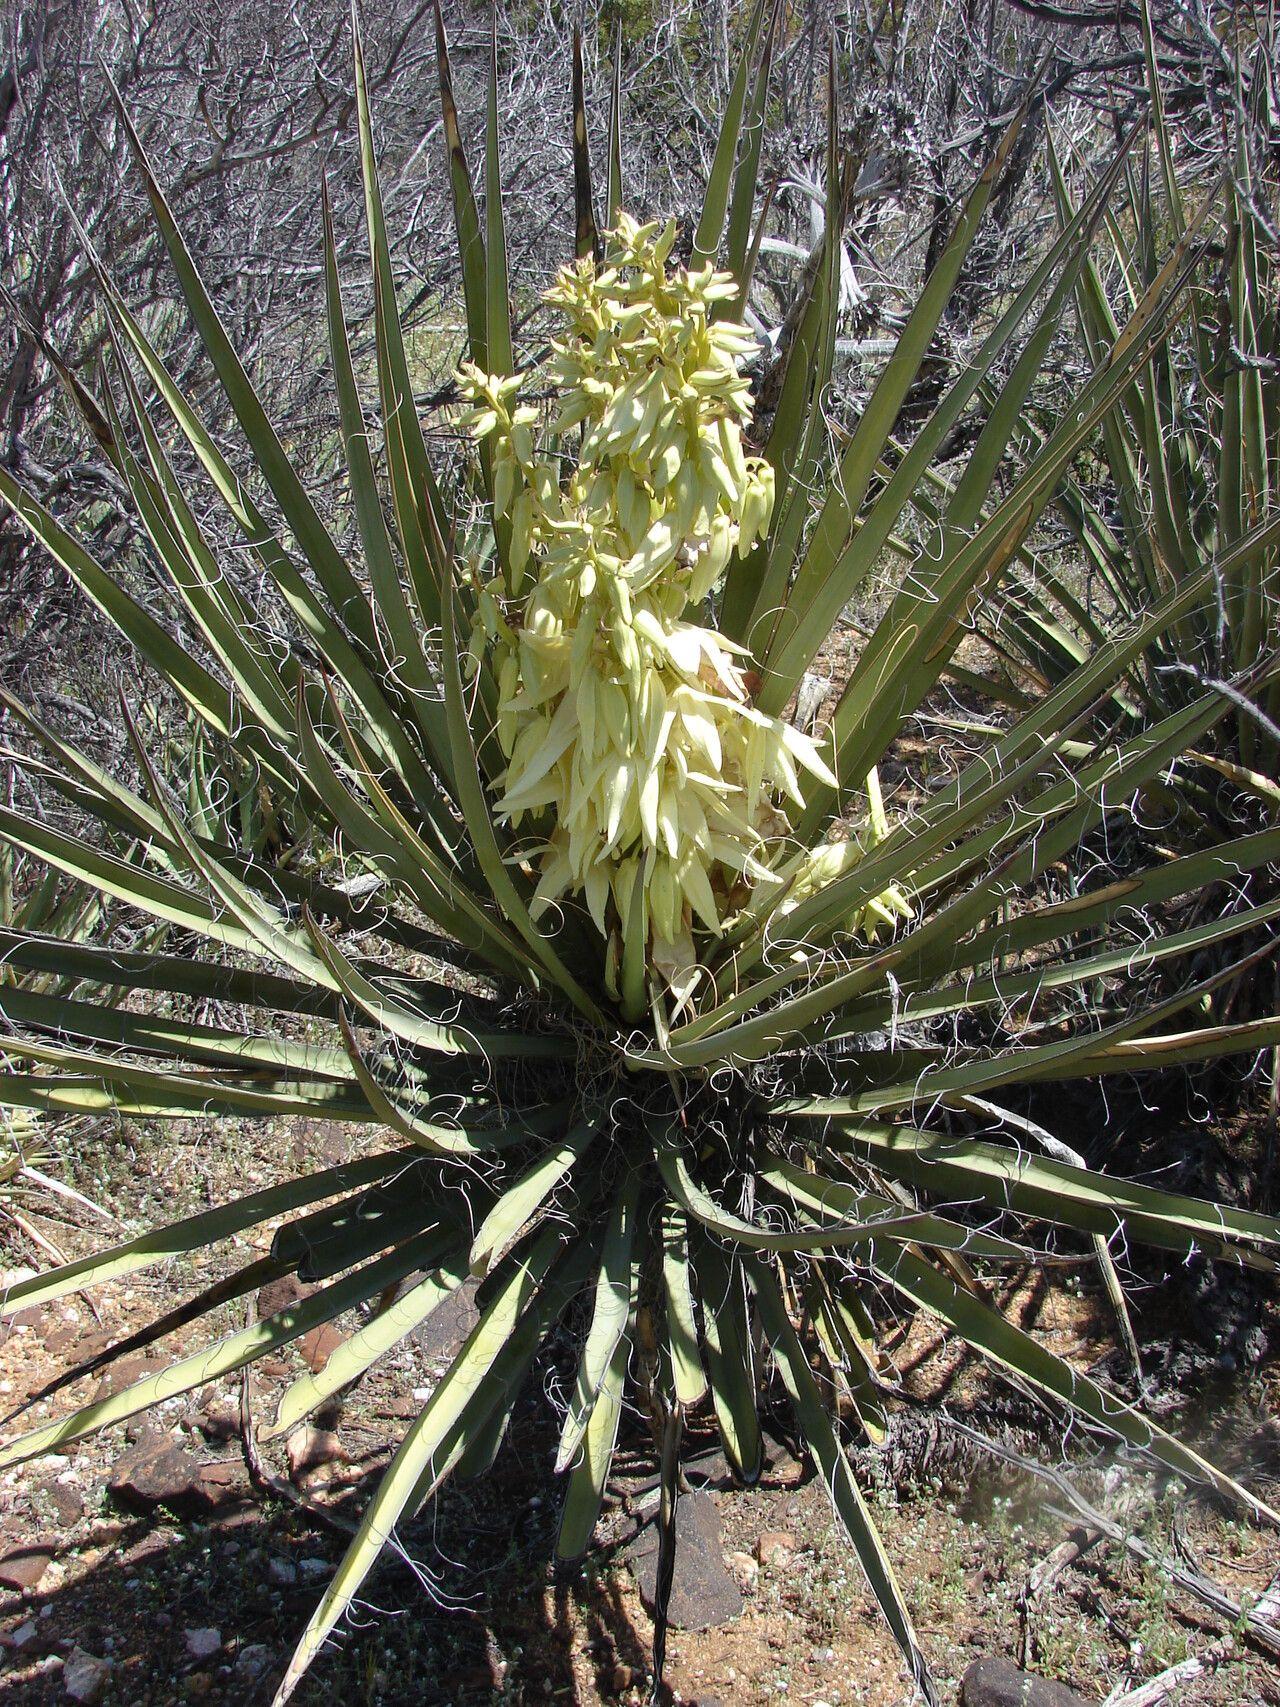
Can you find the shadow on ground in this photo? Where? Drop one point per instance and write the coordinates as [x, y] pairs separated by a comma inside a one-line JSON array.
[[469, 1610], [169, 1607]]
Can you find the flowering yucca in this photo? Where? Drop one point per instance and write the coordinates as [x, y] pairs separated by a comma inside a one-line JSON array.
[[815, 1126], [628, 728]]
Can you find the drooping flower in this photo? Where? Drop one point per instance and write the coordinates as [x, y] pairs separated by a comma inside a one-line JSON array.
[[658, 790]]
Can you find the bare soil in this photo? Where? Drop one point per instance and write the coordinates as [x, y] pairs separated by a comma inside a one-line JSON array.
[[470, 1609]]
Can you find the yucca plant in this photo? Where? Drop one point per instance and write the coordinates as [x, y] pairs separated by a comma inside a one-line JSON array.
[[655, 1002], [1186, 466], [27, 1150]]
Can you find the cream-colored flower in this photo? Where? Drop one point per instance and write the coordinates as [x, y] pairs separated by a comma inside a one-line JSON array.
[[632, 747]]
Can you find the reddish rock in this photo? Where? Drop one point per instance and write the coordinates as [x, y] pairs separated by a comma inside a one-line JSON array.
[[775, 1548], [218, 1418], [157, 1471], [311, 1450], [783, 1467], [277, 1295], [235, 1513], [221, 1484], [124, 1373], [148, 1546], [22, 1567], [318, 1346], [72, 1342], [103, 1531], [64, 1499]]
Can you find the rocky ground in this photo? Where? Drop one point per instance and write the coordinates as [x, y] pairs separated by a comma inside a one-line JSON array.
[[155, 1564]]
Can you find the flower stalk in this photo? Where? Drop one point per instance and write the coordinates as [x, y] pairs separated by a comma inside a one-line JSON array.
[[658, 792]]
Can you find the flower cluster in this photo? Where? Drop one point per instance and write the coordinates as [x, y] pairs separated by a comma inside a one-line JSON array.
[[631, 742]]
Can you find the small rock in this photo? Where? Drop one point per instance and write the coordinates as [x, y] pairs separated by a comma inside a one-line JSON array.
[[104, 1530], [124, 1373], [84, 1676], [708, 1469], [23, 1567], [311, 1449], [252, 1661], [745, 1569], [313, 1569], [318, 1346], [218, 1419], [197, 1684], [24, 1635], [783, 1467], [774, 1548], [148, 1546], [70, 1343], [703, 1593], [282, 1572], [203, 1643], [156, 1472], [277, 1295], [221, 1483], [993, 1682], [64, 1499]]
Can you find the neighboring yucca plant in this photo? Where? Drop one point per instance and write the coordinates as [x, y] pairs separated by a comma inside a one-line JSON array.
[[699, 1139], [1189, 467], [51, 907]]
